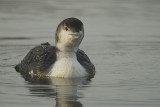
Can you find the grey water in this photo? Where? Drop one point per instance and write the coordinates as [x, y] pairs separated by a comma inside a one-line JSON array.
[[122, 39]]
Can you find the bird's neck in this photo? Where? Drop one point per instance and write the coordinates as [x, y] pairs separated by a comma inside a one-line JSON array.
[[65, 52]]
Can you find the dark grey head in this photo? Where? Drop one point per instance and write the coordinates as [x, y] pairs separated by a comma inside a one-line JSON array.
[[69, 34]]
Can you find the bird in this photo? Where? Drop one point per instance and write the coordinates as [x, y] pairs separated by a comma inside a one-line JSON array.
[[65, 59]]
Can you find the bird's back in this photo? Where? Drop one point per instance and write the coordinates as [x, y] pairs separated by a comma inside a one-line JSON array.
[[40, 59]]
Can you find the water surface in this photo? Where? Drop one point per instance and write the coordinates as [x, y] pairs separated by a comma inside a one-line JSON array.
[[122, 38]]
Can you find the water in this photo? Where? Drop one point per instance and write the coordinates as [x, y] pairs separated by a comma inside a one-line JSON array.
[[122, 38]]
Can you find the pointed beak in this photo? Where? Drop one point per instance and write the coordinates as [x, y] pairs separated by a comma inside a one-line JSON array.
[[76, 35]]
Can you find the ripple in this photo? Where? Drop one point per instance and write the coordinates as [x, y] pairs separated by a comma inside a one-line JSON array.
[[15, 38]]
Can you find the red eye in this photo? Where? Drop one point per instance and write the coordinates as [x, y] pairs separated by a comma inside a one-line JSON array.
[[66, 28]]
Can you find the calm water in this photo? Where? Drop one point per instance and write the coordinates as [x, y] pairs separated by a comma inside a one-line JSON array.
[[122, 38]]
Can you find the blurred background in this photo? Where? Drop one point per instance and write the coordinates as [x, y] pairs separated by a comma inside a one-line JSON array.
[[122, 39], [32, 18]]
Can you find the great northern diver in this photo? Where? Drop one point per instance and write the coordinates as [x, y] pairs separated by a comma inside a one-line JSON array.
[[65, 59]]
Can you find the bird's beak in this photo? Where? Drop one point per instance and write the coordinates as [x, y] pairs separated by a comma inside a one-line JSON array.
[[76, 35]]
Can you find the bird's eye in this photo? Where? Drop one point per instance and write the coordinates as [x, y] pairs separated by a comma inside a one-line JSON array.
[[66, 28]]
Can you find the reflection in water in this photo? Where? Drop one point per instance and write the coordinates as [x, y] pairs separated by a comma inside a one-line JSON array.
[[64, 90]]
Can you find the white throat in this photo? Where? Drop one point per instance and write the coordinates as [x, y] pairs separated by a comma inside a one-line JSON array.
[[67, 49], [67, 66]]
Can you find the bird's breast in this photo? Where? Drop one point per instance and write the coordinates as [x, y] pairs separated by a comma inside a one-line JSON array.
[[67, 68]]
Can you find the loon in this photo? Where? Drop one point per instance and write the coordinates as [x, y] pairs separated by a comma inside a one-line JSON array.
[[65, 59]]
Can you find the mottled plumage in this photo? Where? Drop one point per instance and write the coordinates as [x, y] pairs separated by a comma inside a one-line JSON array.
[[41, 58], [65, 59]]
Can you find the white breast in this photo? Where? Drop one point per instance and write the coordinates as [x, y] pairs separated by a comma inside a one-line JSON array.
[[68, 68]]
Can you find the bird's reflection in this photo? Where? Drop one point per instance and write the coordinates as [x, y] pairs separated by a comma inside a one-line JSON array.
[[64, 90]]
